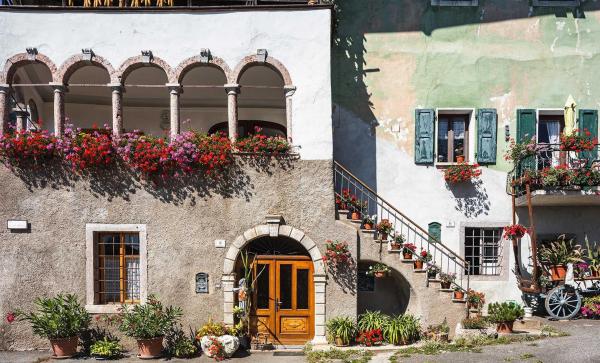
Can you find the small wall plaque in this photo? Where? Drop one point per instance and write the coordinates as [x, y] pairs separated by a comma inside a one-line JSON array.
[[201, 283], [220, 243], [16, 225]]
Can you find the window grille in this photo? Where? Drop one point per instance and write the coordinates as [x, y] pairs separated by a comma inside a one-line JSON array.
[[117, 268], [483, 250]]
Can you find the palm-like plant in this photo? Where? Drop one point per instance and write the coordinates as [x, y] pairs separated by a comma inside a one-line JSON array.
[[342, 328], [402, 329], [593, 256], [561, 252], [371, 320]]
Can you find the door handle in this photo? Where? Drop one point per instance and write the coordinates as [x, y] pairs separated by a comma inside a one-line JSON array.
[[277, 304]]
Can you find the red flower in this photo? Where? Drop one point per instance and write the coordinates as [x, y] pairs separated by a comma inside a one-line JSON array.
[[10, 317]]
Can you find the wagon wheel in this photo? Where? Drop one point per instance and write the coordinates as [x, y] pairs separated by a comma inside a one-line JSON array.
[[563, 302]]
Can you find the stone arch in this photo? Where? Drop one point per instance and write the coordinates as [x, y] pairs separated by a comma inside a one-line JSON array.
[[133, 63], [17, 60], [391, 294], [77, 61], [274, 229], [270, 62], [196, 61]]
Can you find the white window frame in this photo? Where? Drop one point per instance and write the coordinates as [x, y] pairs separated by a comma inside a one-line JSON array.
[[504, 250], [91, 233], [562, 3], [471, 140], [455, 2]]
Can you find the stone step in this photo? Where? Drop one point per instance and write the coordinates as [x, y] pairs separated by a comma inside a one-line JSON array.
[[446, 290], [420, 271], [459, 301], [368, 231], [406, 261]]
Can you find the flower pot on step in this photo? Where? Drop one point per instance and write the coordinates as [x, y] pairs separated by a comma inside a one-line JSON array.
[[558, 272], [395, 246], [458, 295], [445, 285], [505, 327], [407, 255], [150, 348], [418, 264], [64, 347], [355, 216], [368, 226], [431, 275], [384, 236]]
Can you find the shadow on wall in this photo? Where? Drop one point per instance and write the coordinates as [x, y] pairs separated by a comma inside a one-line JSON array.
[[117, 181], [353, 117], [471, 198], [390, 294]]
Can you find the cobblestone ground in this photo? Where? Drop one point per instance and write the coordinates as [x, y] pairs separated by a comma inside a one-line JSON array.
[[583, 345]]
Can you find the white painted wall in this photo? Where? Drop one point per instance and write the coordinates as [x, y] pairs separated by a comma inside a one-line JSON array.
[[300, 39]]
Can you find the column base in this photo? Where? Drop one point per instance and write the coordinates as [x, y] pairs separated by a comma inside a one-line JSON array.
[[319, 340]]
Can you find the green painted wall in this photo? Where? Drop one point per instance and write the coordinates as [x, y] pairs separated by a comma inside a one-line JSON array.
[[391, 57]]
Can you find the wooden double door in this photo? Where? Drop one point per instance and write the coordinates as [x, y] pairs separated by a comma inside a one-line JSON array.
[[283, 301]]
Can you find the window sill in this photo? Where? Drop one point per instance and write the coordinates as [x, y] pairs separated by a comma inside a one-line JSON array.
[[103, 309], [444, 165], [556, 4]]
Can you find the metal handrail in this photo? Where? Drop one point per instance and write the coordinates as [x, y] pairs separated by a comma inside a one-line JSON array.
[[402, 224]]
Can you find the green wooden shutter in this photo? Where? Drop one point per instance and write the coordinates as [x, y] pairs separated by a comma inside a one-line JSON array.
[[435, 230], [588, 120], [424, 135], [526, 130], [487, 130]]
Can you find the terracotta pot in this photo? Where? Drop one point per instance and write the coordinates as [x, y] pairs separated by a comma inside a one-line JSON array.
[[445, 285], [558, 272], [595, 273], [340, 343], [64, 347], [431, 274], [355, 216], [459, 295], [418, 264], [384, 236], [150, 348], [368, 226], [460, 159], [379, 274], [505, 327], [395, 245], [343, 206], [407, 255]]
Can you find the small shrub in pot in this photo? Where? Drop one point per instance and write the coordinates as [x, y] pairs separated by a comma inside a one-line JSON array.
[[341, 330], [504, 315], [106, 349]]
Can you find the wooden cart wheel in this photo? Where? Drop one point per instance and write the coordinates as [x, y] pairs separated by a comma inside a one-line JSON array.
[[563, 302]]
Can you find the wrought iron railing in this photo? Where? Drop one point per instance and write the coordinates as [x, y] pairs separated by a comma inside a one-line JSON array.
[[443, 257], [148, 4], [550, 167]]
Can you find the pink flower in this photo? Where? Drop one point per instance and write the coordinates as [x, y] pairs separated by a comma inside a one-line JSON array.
[[10, 317]]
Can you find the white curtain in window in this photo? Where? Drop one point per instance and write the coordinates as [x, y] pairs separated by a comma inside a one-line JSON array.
[[111, 277], [553, 129], [133, 278]]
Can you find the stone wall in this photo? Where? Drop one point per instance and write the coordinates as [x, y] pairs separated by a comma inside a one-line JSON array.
[[182, 222]]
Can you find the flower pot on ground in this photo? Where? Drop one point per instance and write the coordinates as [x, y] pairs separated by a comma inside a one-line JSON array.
[[59, 319], [148, 324], [378, 270], [504, 315], [341, 330], [180, 345], [438, 332], [401, 329], [106, 349]]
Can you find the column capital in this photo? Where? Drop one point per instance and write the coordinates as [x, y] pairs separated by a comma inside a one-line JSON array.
[[58, 87], [289, 90], [4, 87], [174, 88], [116, 87], [232, 88]]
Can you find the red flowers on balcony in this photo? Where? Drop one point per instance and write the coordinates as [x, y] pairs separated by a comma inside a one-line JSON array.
[[259, 143], [514, 231], [461, 172], [84, 150], [576, 142], [28, 147]]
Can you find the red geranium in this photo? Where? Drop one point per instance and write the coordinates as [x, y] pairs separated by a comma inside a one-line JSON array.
[[259, 143], [27, 146], [370, 337], [10, 317], [461, 172], [576, 142], [514, 231], [87, 150], [337, 254]]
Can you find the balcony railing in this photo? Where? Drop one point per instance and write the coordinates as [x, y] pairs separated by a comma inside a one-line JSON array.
[[551, 168], [149, 3]]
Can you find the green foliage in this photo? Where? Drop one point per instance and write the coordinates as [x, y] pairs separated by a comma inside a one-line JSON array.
[[402, 329], [57, 317], [337, 355], [342, 327], [477, 322], [179, 345], [593, 256], [561, 252], [106, 348], [212, 328], [147, 321], [370, 320], [505, 312]]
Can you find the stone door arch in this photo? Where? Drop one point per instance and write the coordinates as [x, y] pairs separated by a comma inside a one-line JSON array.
[[273, 228]]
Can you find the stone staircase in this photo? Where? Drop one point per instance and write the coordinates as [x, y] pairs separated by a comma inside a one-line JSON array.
[[427, 299]]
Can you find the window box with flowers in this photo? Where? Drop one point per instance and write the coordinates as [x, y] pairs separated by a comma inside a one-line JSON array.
[[514, 231], [384, 228], [378, 270], [408, 249], [461, 172], [31, 149]]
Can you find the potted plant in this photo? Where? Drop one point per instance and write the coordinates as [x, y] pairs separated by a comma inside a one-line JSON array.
[[369, 221], [179, 345], [504, 315], [370, 327], [384, 228], [446, 279], [438, 332], [475, 299], [357, 207], [216, 340], [593, 258], [424, 256], [148, 323], [514, 231], [432, 271], [60, 319], [341, 330], [558, 254], [337, 254], [396, 242], [401, 329], [458, 293], [577, 142], [407, 251], [461, 172], [378, 270], [106, 349], [459, 152]]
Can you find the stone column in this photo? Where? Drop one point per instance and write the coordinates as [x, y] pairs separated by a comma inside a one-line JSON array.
[[4, 96], [22, 114], [117, 108], [232, 111], [320, 281], [289, 92], [228, 283], [175, 90], [59, 107]]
